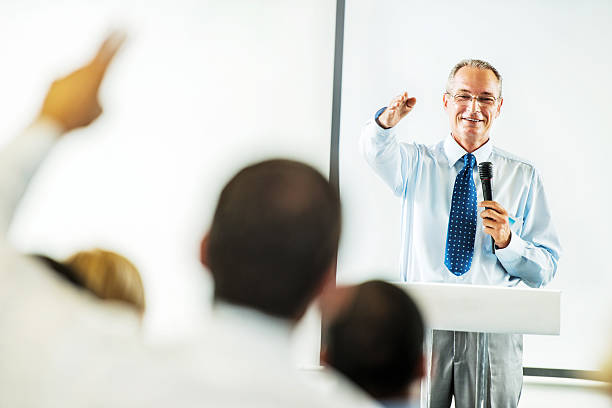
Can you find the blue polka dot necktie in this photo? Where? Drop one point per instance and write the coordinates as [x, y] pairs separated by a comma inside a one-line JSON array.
[[462, 220]]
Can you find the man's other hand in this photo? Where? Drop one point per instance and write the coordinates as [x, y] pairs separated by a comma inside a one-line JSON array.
[[397, 109], [72, 101], [495, 222]]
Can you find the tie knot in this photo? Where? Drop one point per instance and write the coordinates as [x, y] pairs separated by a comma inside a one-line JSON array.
[[469, 160]]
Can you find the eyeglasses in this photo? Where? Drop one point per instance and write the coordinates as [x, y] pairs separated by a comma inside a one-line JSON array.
[[466, 98]]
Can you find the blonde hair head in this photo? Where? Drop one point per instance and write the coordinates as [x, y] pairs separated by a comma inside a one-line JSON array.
[[109, 276]]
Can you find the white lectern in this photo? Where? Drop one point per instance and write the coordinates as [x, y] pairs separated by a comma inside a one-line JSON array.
[[483, 309]]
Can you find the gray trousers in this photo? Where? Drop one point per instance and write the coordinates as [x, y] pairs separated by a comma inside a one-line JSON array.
[[453, 371]]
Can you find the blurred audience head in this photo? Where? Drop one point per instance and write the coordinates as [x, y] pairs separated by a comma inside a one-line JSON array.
[[106, 274], [374, 336], [274, 238]]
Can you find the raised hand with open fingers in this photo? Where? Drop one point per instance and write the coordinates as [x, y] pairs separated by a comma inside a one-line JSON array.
[[397, 109]]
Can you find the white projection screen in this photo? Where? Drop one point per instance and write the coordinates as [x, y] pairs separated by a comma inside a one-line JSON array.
[[200, 89], [556, 62]]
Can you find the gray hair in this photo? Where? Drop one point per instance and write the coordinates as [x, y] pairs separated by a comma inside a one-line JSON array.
[[474, 63]]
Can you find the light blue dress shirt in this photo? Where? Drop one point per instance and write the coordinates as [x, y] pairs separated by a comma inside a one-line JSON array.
[[423, 176]]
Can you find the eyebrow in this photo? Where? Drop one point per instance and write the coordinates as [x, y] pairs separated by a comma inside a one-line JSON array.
[[468, 91]]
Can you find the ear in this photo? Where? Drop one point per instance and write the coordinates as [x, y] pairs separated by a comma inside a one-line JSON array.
[[327, 282], [324, 356], [421, 367], [445, 98], [501, 102], [204, 250]]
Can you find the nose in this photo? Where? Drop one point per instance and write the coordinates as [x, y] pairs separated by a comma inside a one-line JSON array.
[[473, 105]]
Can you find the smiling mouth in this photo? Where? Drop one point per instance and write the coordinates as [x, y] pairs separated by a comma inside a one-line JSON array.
[[472, 120]]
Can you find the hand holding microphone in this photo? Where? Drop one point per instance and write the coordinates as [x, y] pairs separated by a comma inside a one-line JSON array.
[[494, 217]]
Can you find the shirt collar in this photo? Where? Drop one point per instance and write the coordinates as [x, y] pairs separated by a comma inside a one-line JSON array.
[[454, 151], [245, 319]]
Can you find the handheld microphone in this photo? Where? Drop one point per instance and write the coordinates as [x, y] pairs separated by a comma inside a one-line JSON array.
[[485, 171]]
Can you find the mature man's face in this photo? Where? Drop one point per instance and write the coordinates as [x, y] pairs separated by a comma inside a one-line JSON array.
[[473, 104]]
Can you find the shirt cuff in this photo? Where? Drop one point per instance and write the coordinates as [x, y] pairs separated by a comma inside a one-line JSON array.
[[381, 135], [513, 252], [46, 128], [377, 115]]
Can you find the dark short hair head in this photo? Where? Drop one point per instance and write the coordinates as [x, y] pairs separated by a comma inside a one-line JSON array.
[[273, 237], [377, 340]]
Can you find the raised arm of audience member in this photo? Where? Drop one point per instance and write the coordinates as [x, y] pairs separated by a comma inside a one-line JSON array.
[[56, 340], [71, 103]]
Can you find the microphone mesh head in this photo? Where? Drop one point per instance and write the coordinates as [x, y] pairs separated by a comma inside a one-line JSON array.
[[485, 170]]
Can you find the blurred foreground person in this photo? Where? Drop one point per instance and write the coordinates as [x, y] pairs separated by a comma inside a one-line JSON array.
[[58, 344], [375, 338], [106, 274], [271, 251]]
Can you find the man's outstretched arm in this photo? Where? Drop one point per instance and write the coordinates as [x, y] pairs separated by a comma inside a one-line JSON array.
[[71, 103], [380, 146]]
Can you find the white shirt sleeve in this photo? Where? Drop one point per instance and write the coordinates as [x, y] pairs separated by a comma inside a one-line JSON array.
[[390, 159], [19, 160], [533, 254]]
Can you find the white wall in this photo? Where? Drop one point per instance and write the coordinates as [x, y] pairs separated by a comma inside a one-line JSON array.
[[556, 62], [201, 89]]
